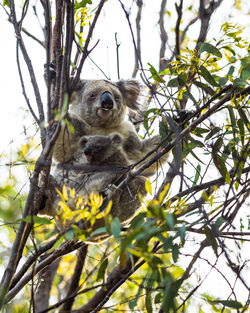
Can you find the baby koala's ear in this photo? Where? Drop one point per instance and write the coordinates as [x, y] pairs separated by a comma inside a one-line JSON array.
[[116, 139], [82, 141]]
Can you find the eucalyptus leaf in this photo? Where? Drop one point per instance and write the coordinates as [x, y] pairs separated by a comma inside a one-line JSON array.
[[207, 76], [210, 49]]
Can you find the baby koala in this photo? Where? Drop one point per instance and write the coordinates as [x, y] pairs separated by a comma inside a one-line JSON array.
[[108, 151], [103, 151]]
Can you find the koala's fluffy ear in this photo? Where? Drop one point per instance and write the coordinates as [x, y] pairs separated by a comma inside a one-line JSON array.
[[116, 139], [82, 141], [75, 90], [130, 89]]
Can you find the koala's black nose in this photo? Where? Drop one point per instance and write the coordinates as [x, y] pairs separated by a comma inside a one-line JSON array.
[[87, 151], [107, 101]]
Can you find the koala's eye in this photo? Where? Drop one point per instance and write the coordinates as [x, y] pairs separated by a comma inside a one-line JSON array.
[[91, 96], [117, 98]]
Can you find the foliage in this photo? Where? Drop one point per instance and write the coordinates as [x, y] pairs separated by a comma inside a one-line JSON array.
[[194, 220]]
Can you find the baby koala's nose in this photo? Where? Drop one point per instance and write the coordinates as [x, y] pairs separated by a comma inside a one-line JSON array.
[[87, 151], [107, 101]]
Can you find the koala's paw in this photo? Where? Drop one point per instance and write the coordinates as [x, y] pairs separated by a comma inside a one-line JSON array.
[[155, 140]]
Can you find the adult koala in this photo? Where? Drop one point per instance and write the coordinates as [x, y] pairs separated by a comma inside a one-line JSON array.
[[99, 107]]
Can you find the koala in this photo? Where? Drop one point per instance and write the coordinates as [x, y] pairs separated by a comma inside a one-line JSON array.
[[99, 107], [105, 151], [108, 150]]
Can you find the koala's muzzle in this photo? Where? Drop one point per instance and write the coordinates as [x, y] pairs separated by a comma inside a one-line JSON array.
[[107, 102], [88, 153]]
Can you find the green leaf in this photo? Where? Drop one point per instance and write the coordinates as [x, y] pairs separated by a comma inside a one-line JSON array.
[[69, 234], [210, 49], [64, 107], [146, 118], [221, 166], [233, 120], [116, 227], [156, 76], [245, 68], [196, 157], [243, 117], [242, 131], [182, 79], [214, 131], [6, 3], [240, 82], [150, 283], [205, 87], [197, 174], [37, 220], [102, 269], [217, 145], [230, 71], [211, 239], [228, 303], [207, 76], [229, 49], [82, 4], [175, 252], [222, 81], [199, 131], [220, 220], [158, 298], [99, 231], [133, 302], [170, 221], [174, 82]]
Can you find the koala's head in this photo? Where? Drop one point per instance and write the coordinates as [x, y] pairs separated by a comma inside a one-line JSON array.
[[102, 103], [99, 148]]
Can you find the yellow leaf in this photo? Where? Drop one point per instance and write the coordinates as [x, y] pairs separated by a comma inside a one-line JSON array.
[[108, 208], [148, 187], [99, 215], [65, 193], [72, 192], [79, 202], [24, 149], [163, 193]]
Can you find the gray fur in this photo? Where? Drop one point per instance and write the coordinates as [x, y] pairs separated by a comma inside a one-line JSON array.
[[88, 118]]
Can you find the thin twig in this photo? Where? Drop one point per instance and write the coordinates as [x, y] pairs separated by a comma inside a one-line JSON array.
[[29, 66], [163, 35], [137, 48], [86, 52], [177, 28]]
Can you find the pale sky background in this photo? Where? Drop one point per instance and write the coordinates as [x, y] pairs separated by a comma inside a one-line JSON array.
[[14, 115]]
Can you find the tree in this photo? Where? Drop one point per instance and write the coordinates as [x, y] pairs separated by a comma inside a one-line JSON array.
[[195, 221]]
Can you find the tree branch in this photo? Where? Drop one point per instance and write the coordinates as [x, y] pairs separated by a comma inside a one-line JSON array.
[[205, 16], [29, 66], [137, 48], [74, 284], [66, 248], [43, 292], [32, 259], [86, 52], [177, 28]]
